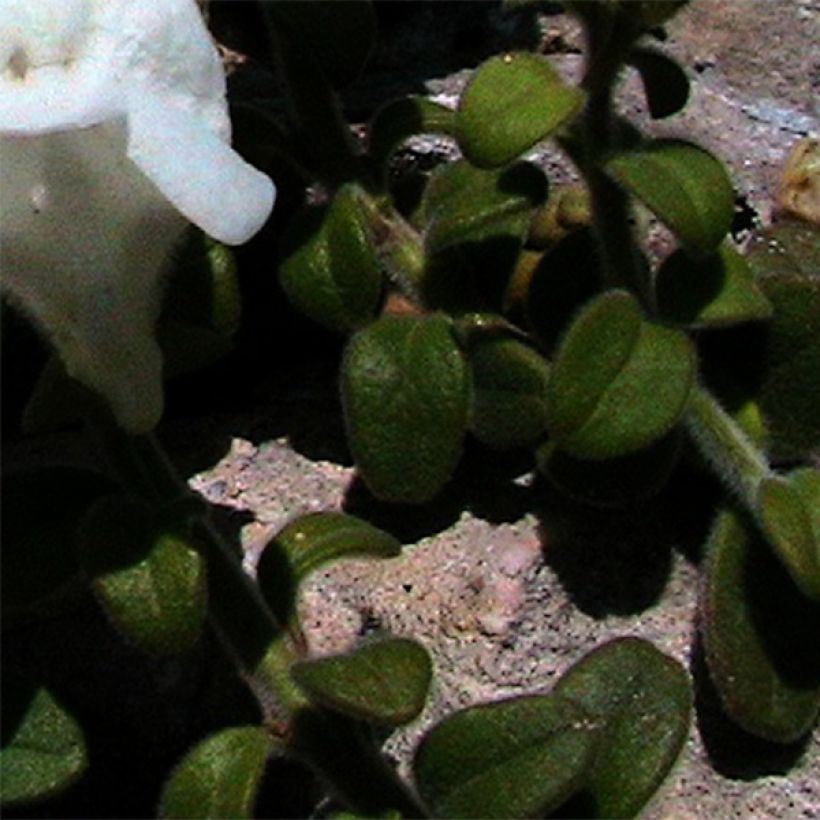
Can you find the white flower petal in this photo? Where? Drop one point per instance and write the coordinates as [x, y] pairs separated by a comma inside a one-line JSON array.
[[199, 174]]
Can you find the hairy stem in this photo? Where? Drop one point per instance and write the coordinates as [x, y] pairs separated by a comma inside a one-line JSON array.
[[722, 442]]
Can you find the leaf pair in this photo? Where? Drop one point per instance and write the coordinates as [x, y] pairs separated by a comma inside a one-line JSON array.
[[607, 735]]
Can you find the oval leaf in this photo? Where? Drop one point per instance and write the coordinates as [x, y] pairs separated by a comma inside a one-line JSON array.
[[512, 102], [149, 580], [643, 702], [683, 185], [330, 269], [405, 396], [665, 83], [758, 634], [618, 383], [509, 388], [709, 291], [220, 777], [308, 543], [789, 510], [43, 748], [515, 758], [385, 682]]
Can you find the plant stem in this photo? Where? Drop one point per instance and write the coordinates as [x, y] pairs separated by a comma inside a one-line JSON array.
[[722, 442], [608, 41]]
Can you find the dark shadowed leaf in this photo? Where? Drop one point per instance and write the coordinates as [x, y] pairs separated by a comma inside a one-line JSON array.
[[405, 395], [148, 578], [512, 102], [618, 382], [686, 187], [642, 700], [401, 119], [220, 777], [41, 509], [665, 83], [786, 260], [384, 682], [509, 381], [43, 749], [789, 510], [709, 291], [759, 635], [522, 757]]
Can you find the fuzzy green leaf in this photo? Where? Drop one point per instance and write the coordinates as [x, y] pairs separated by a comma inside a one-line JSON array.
[[512, 102], [709, 291], [220, 777], [686, 187], [310, 542], [41, 509], [384, 682], [759, 635], [43, 749], [514, 758], [466, 204], [643, 702], [509, 390], [149, 580], [789, 510], [330, 270], [405, 395], [665, 83], [618, 383], [401, 119]]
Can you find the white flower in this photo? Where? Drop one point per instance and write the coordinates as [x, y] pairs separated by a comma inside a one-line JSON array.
[[114, 134]]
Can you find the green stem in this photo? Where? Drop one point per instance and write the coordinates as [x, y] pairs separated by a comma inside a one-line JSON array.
[[724, 445], [609, 38]]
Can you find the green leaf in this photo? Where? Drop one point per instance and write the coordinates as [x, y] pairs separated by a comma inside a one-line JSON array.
[[383, 682], [148, 578], [466, 204], [404, 390], [789, 510], [474, 223], [786, 258], [330, 269], [220, 777], [401, 119], [642, 699], [618, 382], [509, 388], [41, 509], [43, 748], [665, 83], [312, 541], [709, 291], [338, 37], [512, 102], [686, 187], [522, 757], [566, 277], [614, 481], [203, 286], [759, 635]]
